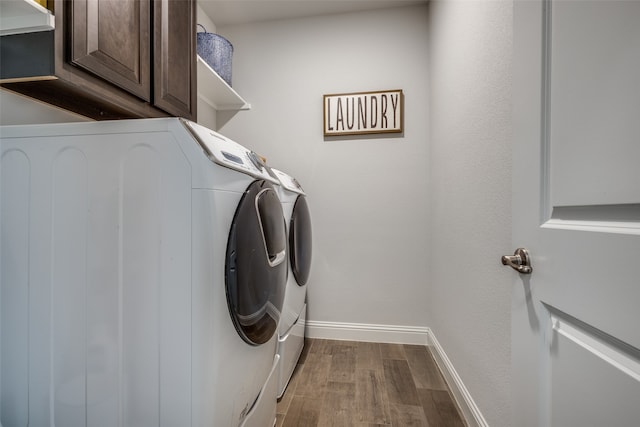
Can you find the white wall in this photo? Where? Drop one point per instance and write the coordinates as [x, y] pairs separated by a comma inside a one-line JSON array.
[[471, 131], [19, 110], [408, 230], [206, 113], [368, 196]]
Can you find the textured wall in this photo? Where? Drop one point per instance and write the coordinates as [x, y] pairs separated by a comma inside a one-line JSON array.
[[19, 110], [368, 195], [471, 131], [409, 230], [206, 113]]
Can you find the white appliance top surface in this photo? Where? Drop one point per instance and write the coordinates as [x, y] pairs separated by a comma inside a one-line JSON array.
[[229, 153], [288, 182], [219, 149]]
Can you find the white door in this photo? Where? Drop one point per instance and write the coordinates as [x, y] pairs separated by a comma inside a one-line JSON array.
[[576, 208]]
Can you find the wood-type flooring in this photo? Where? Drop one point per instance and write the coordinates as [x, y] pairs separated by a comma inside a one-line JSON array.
[[358, 384]]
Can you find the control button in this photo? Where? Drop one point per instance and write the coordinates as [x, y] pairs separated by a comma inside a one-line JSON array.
[[255, 160], [232, 157]]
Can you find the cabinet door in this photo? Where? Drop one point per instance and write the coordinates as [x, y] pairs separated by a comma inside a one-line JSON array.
[[111, 39], [175, 57]]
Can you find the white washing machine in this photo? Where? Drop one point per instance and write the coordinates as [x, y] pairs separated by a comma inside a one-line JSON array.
[[291, 330], [142, 277]]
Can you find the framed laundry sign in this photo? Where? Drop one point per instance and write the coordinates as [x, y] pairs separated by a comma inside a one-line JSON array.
[[363, 113]]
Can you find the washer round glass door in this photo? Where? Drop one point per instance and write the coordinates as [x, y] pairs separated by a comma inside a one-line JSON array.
[[256, 264], [300, 241]]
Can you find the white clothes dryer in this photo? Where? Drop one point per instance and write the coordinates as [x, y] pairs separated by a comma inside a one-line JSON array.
[[291, 329], [143, 269]]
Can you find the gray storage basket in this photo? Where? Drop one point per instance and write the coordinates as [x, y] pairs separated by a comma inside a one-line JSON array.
[[216, 51]]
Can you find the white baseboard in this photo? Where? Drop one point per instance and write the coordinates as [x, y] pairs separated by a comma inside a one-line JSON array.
[[416, 335], [367, 332], [467, 405]]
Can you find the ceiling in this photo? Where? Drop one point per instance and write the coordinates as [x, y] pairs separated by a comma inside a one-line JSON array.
[[233, 12]]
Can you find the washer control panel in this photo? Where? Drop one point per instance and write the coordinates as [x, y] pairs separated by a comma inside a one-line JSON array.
[[288, 182], [228, 153]]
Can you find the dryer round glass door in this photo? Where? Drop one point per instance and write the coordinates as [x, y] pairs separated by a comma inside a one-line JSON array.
[[300, 241], [256, 264]]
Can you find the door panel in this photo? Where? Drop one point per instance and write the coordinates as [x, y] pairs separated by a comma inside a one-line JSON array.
[[256, 265], [300, 236], [610, 384], [576, 207], [594, 101], [111, 39], [175, 58]]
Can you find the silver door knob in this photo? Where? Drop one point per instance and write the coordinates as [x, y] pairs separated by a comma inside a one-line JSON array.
[[519, 261]]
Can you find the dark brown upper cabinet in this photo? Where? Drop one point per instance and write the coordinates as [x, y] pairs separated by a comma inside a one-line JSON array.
[[109, 59], [111, 40], [175, 57]]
